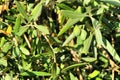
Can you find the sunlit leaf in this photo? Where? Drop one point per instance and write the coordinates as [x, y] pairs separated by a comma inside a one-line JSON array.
[[69, 39], [98, 34], [79, 41], [111, 50], [93, 74], [59, 39], [75, 33], [76, 30], [42, 29], [59, 1], [81, 37], [22, 30], [74, 17], [73, 66], [2, 41], [24, 50], [79, 9], [22, 10], [61, 18], [73, 14], [100, 11], [68, 25], [7, 46], [83, 34], [8, 77], [87, 44], [9, 29], [35, 73], [98, 78], [3, 62], [36, 12], [26, 65], [72, 77], [17, 24]]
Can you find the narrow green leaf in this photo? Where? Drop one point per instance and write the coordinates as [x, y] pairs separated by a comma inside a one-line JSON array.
[[100, 11], [22, 30], [54, 71], [98, 34], [59, 1], [22, 10], [79, 41], [73, 66], [24, 50], [104, 42], [111, 50], [16, 52], [98, 78], [74, 17], [72, 77], [75, 33], [42, 29], [104, 60], [87, 44], [7, 46], [17, 24], [81, 37], [69, 39], [93, 74], [61, 18], [94, 22], [83, 34], [35, 73], [79, 10], [113, 2], [68, 25], [2, 41], [36, 12], [64, 6], [73, 14]]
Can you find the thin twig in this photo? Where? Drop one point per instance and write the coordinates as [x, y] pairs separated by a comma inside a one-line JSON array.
[[113, 41], [76, 59], [28, 43], [113, 74], [114, 66], [50, 46]]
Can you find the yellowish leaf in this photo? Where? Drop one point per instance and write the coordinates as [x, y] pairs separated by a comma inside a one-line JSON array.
[[9, 29]]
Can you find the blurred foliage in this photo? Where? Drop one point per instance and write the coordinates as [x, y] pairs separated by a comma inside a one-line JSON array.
[[59, 39]]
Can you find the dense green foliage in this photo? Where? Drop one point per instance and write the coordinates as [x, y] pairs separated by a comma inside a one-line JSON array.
[[59, 39]]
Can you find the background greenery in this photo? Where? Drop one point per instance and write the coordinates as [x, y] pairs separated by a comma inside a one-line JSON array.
[[59, 39]]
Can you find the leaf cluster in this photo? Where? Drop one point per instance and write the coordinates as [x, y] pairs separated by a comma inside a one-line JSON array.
[[59, 39]]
